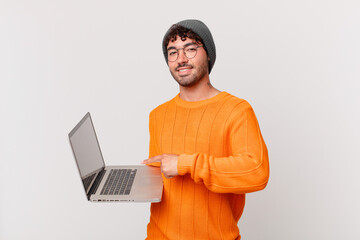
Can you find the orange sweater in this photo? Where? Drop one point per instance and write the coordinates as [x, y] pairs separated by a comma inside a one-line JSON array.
[[222, 157]]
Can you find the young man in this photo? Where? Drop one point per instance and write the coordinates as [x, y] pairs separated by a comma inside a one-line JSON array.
[[207, 143]]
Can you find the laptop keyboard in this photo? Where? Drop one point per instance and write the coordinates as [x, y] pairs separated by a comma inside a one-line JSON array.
[[119, 182]]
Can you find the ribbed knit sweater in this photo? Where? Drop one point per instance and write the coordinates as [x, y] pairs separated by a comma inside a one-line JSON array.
[[222, 156]]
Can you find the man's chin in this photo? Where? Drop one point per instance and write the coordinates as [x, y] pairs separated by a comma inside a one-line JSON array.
[[187, 82]]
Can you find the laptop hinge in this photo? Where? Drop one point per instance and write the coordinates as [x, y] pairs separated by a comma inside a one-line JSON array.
[[96, 183]]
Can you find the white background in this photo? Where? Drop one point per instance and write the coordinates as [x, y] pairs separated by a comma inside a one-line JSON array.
[[296, 62]]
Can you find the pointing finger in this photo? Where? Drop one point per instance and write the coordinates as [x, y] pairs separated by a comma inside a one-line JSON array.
[[151, 160]]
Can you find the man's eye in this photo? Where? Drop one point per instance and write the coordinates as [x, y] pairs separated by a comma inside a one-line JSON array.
[[192, 49], [172, 53]]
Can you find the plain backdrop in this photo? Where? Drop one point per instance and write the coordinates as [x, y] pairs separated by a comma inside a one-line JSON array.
[[296, 62]]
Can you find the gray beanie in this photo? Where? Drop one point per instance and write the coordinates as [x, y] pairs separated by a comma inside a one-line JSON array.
[[203, 31]]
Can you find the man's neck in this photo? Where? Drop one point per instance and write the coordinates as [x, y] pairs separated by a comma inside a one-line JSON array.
[[201, 91]]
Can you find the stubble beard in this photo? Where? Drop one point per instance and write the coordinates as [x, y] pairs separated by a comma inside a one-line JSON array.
[[193, 79]]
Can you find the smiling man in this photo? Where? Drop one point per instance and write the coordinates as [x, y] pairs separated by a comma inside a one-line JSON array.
[[207, 143]]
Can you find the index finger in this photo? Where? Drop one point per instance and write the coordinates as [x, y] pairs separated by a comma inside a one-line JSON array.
[[151, 160]]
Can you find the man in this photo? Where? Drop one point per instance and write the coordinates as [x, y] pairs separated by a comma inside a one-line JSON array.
[[207, 143]]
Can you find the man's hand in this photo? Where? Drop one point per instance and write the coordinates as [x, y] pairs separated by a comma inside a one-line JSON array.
[[168, 164]]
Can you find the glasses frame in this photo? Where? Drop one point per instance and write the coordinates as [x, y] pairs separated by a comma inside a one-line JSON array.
[[177, 52]]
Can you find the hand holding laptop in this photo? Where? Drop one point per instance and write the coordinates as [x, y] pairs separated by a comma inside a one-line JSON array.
[[168, 164]]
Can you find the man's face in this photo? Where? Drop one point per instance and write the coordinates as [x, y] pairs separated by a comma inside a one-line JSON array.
[[188, 72]]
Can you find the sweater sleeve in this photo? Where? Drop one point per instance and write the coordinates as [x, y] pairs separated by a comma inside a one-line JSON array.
[[247, 170]]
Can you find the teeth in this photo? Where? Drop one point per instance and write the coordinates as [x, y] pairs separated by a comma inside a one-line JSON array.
[[182, 70]]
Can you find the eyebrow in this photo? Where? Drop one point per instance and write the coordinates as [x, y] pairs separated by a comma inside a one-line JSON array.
[[188, 44]]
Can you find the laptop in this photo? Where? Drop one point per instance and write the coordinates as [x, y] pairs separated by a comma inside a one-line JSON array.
[[131, 183]]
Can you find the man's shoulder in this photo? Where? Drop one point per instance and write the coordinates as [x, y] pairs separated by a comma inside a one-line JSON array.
[[162, 107], [237, 108], [237, 102]]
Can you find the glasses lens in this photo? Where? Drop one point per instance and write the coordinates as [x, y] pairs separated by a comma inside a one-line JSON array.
[[190, 51], [172, 55]]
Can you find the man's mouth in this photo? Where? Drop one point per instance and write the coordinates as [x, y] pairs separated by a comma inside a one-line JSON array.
[[184, 70]]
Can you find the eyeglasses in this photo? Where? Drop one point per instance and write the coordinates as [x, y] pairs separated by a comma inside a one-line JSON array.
[[189, 51]]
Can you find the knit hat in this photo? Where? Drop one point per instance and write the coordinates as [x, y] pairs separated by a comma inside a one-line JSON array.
[[203, 31]]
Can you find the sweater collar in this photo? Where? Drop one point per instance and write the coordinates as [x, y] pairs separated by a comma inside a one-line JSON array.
[[189, 104]]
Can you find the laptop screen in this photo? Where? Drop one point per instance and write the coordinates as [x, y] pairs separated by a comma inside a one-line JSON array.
[[86, 148]]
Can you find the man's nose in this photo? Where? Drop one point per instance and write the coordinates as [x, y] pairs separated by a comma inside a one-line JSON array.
[[181, 56]]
